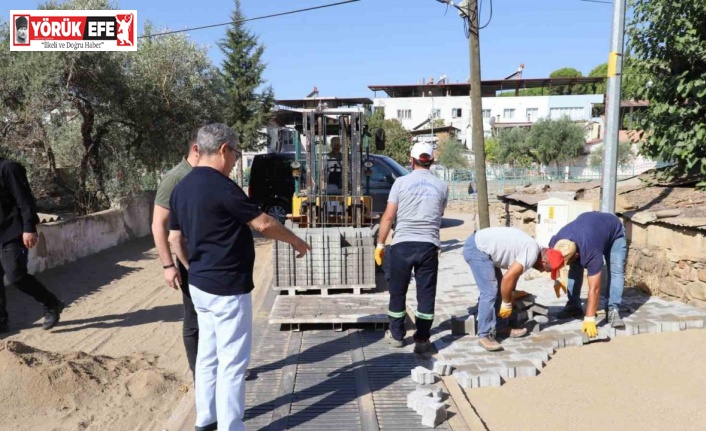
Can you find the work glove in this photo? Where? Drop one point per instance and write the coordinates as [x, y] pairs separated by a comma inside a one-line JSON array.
[[505, 310], [558, 287], [589, 327], [379, 254]]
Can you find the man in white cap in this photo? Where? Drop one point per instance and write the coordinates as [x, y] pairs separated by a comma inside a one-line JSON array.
[[416, 203], [591, 240]]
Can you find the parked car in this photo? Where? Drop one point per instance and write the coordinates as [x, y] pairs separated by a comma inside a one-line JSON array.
[[271, 184]]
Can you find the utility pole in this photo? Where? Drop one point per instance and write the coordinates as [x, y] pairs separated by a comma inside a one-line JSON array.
[[477, 137], [612, 128]]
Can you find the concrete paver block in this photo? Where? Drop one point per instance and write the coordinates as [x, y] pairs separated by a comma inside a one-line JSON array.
[[477, 379], [433, 413], [532, 326], [540, 319], [600, 337], [461, 325], [423, 376], [538, 309], [524, 303], [692, 322], [519, 317], [442, 368], [522, 368]]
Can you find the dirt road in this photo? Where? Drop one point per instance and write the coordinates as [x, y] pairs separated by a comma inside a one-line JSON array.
[[118, 306]]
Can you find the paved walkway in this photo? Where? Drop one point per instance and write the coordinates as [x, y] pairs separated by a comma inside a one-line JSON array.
[[315, 379]]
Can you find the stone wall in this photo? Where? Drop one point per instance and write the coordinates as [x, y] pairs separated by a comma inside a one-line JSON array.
[[66, 241], [516, 215], [667, 260]]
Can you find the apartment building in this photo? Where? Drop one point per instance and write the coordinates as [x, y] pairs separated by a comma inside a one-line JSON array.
[[415, 105]]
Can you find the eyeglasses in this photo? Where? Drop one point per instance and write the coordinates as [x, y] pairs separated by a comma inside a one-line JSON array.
[[236, 151]]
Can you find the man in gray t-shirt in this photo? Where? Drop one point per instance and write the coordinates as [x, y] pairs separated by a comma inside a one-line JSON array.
[[417, 203], [487, 252]]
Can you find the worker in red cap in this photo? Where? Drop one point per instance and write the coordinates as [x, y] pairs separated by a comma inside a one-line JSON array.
[[489, 250]]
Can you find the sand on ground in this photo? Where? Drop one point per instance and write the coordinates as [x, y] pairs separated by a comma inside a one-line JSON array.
[[116, 361], [641, 383]]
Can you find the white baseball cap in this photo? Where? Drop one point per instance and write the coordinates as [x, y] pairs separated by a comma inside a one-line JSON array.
[[422, 151]]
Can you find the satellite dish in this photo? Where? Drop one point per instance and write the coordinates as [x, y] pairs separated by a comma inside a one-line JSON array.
[[492, 121]]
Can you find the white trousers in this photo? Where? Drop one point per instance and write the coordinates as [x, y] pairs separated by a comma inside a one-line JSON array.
[[225, 336]]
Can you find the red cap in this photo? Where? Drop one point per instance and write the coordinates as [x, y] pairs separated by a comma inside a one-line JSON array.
[[556, 261]]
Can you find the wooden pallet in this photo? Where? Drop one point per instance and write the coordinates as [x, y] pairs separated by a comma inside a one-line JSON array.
[[324, 290], [335, 310]]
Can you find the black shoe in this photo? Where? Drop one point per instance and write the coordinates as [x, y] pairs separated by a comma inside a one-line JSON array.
[[570, 311], [52, 315], [211, 427], [4, 327]]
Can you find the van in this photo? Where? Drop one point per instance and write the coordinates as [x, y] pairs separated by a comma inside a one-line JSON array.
[[271, 183]]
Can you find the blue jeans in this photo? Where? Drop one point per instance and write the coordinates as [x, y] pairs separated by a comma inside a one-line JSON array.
[[488, 279], [612, 278], [423, 257]]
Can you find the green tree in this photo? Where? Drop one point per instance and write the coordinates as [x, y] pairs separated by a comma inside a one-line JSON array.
[[105, 118], [566, 72], [669, 44], [513, 148], [450, 153], [398, 139], [556, 141], [492, 150], [599, 71], [249, 101], [626, 155]]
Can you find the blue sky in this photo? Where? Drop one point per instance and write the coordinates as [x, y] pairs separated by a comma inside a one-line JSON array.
[[344, 49]]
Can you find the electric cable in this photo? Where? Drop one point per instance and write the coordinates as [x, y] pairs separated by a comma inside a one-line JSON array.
[[250, 19]]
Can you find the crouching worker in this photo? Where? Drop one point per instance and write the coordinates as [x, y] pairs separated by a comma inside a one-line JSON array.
[[588, 242], [488, 251]]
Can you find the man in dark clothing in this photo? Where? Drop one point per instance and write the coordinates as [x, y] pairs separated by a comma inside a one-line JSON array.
[[18, 232], [175, 273], [211, 214], [587, 242]]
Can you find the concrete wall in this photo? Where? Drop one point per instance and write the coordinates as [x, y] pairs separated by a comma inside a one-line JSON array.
[[66, 241]]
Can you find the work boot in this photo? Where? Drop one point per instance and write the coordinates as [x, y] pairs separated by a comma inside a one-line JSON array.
[[570, 311], [393, 341], [511, 332], [52, 315], [614, 318], [422, 347], [490, 344], [211, 427]]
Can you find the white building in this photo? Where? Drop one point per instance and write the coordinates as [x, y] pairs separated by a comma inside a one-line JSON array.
[[413, 105]]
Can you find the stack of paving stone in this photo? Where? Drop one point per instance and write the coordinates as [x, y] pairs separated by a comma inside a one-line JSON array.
[[427, 399], [526, 312], [338, 257]]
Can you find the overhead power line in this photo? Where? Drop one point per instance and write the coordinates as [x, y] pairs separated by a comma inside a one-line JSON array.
[[291, 12], [597, 1]]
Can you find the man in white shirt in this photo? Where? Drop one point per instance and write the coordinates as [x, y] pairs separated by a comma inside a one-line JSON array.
[[487, 252]]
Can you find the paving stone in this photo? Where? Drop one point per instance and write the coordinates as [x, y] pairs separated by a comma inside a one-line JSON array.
[[600, 337], [692, 322], [541, 319], [433, 413], [423, 376], [522, 368], [524, 303], [461, 325], [481, 379], [442, 368], [532, 327], [519, 317], [538, 309]]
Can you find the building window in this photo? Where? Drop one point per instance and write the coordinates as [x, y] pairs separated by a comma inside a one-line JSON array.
[[486, 114], [508, 113], [572, 113], [404, 114], [456, 113], [436, 113], [532, 114]]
